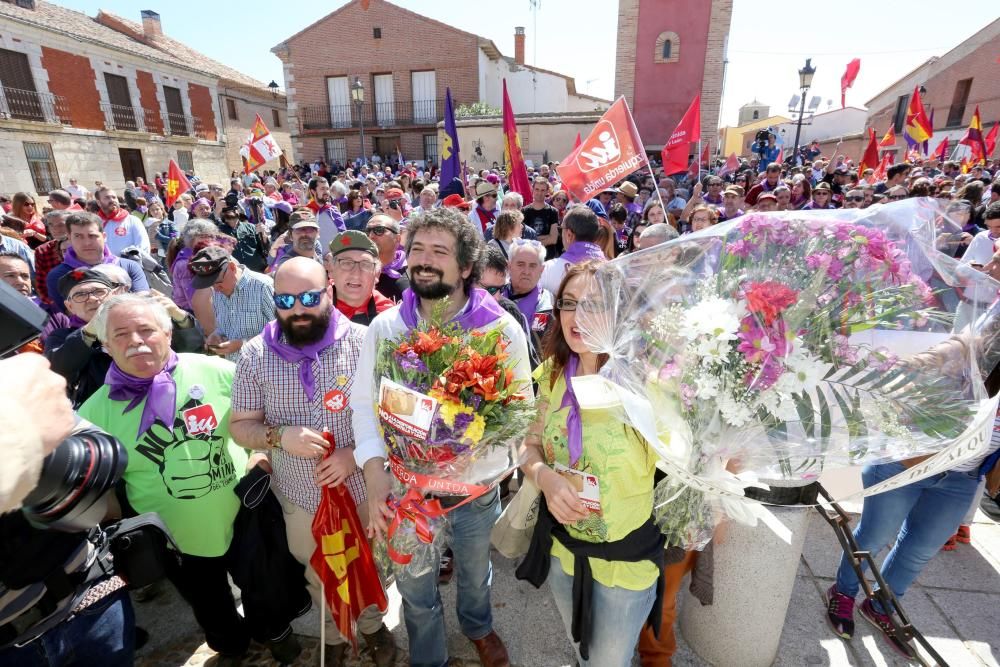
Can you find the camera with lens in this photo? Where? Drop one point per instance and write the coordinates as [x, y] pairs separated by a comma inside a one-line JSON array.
[[760, 141], [232, 199], [56, 558]]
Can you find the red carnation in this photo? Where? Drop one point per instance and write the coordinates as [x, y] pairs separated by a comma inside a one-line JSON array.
[[768, 299]]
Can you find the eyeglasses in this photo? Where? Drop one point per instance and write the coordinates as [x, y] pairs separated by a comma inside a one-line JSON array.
[[821, 193], [896, 197], [587, 305], [855, 198], [97, 293], [29, 203], [349, 265], [493, 289], [307, 299], [379, 230]]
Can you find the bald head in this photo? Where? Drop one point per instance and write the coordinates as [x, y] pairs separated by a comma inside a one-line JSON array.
[[297, 280], [299, 274]]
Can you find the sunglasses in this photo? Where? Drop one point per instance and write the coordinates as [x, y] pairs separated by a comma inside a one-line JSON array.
[[854, 198], [896, 197], [308, 299], [379, 230], [493, 289]]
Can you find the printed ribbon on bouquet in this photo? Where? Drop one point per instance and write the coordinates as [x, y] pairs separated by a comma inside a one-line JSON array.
[[415, 508], [596, 392]]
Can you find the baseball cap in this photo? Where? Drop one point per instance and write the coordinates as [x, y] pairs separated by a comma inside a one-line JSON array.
[[394, 193], [207, 264], [455, 201], [301, 219], [766, 195], [77, 276], [201, 187], [352, 240]]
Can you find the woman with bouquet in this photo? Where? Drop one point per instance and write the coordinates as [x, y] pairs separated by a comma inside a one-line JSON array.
[[595, 526]]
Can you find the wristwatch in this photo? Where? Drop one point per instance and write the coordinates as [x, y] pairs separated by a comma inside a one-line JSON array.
[[274, 433]]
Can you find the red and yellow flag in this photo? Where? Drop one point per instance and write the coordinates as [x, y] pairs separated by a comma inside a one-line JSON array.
[[889, 139], [177, 183], [973, 137], [343, 560], [517, 171], [941, 153], [918, 125]]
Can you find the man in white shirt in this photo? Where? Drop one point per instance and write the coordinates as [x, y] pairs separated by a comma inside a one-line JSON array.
[[445, 256], [975, 291], [77, 190], [579, 233], [121, 228]]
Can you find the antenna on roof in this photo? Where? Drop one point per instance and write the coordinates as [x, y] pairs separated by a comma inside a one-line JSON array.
[[535, 6], [794, 102]]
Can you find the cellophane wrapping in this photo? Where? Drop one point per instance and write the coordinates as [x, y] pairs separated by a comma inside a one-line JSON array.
[[779, 344]]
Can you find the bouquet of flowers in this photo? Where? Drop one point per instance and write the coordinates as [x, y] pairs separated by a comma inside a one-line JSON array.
[[452, 415], [781, 343]]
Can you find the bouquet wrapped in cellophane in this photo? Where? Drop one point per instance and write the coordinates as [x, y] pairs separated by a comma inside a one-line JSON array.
[[452, 415], [778, 344]]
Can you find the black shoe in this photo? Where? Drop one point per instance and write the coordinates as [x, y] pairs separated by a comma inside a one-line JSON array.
[[381, 647], [990, 506], [286, 650], [447, 567]]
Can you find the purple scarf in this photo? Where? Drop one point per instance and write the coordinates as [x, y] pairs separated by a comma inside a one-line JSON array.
[[480, 311], [581, 250], [306, 356], [574, 426], [75, 262], [160, 392], [184, 254], [395, 268], [527, 303]]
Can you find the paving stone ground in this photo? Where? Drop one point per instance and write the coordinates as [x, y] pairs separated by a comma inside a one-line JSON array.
[[954, 603]]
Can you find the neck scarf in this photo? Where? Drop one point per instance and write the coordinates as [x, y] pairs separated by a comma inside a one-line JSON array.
[[75, 262], [485, 217], [574, 426], [481, 310], [527, 303], [581, 250], [119, 215], [395, 268], [306, 356], [159, 391]]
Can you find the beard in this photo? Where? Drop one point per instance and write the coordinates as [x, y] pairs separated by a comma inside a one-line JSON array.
[[298, 336], [433, 291]]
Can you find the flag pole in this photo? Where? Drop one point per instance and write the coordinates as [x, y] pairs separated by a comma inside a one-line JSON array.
[[698, 158], [322, 623], [656, 189]]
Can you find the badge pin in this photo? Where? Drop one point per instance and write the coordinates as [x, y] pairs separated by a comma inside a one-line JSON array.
[[197, 392], [341, 380]]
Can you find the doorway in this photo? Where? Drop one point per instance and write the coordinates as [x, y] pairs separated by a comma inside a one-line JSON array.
[[132, 166]]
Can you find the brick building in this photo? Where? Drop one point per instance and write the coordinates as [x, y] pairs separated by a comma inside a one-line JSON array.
[[668, 52], [404, 61], [954, 83], [107, 99]]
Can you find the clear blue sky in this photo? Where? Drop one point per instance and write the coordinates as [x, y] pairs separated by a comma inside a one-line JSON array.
[[768, 41]]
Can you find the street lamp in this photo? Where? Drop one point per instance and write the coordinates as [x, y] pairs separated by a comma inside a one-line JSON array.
[[358, 95], [805, 81]]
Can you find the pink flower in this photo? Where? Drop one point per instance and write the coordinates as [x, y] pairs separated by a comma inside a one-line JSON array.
[[741, 248], [687, 395], [818, 260], [757, 342]]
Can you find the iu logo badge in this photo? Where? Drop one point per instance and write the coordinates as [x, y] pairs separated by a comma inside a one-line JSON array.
[[602, 150], [120, 230], [200, 420], [335, 400], [539, 322]]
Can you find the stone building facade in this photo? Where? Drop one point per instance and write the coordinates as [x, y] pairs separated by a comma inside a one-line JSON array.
[[107, 99], [405, 61], [668, 52]]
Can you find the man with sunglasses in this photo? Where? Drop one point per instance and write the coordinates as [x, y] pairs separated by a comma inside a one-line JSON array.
[[854, 198], [445, 255], [896, 193], [293, 382], [385, 234], [353, 268], [242, 300], [302, 239]]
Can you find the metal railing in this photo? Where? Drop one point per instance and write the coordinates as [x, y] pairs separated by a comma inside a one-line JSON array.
[[401, 113], [30, 105], [184, 125]]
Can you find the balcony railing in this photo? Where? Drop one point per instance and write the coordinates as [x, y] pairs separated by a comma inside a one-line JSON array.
[[30, 105], [402, 113], [183, 125]]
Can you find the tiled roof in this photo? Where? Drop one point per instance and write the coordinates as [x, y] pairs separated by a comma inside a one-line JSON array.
[[79, 26]]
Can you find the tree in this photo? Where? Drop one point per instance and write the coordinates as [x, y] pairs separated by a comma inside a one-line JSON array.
[[476, 109]]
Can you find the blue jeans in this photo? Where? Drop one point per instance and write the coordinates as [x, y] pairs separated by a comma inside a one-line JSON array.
[[619, 614], [920, 517], [102, 634], [468, 529]]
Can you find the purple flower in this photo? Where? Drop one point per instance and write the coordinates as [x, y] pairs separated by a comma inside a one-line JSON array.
[[741, 248], [411, 361]]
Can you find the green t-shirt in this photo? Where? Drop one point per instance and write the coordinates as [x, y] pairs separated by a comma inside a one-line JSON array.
[[186, 476], [624, 468]]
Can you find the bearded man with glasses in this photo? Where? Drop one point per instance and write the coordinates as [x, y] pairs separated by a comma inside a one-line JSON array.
[[293, 382]]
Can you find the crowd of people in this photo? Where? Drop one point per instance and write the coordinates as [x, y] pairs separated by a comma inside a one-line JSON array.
[[230, 331]]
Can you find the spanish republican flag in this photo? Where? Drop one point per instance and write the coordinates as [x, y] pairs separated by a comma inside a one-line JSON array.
[[177, 183], [343, 560], [870, 159], [889, 140], [517, 171], [974, 138], [918, 125]]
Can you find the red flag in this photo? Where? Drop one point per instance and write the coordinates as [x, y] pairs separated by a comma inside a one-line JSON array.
[[343, 560], [576, 144], [781, 156], [610, 152], [675, 151], [941, 153], [991, 140], [973, 137], [847, 80], [177, 183], [889, 139], [517, 171], [870, 158], [879, 174], [731, 165]]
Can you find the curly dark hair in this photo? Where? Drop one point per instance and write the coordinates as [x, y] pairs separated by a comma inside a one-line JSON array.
[[470, 250]]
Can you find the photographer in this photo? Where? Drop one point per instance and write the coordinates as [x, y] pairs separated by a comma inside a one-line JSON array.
[[252, 241], [765, 146]]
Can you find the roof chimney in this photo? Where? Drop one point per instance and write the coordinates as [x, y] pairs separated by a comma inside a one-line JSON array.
[[151, 24], [519, 45]]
